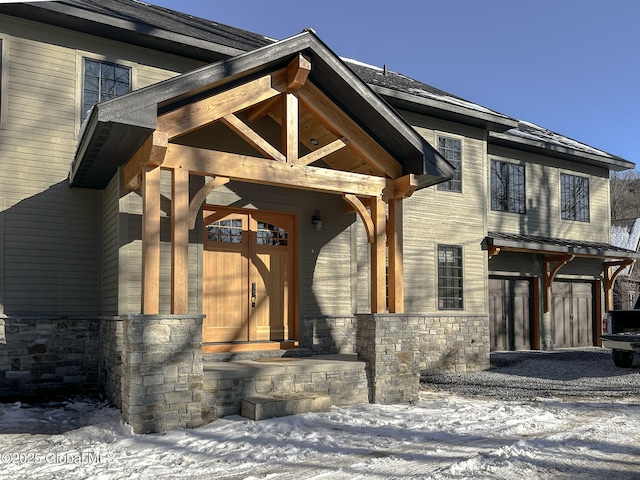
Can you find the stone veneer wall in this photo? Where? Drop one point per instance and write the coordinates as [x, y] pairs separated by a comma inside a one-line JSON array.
[[111, 359], [162, 381], [446, 344], [46, 357], [453, 344]]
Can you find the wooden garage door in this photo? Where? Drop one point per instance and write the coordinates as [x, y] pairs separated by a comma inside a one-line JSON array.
[[510, 310], [248, 270], [573, 320]]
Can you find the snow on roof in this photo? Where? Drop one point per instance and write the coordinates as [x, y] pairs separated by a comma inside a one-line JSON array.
[[628, 237], [535, 132]]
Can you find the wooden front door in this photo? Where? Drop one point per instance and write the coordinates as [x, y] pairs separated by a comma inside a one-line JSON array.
[[248, 270]]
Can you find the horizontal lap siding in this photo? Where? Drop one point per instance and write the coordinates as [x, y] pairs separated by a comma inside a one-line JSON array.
[[56, 256], [433, 217], [543, 216]]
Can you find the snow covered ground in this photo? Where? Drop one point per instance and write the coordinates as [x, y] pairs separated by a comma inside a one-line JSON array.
[[461, 428]]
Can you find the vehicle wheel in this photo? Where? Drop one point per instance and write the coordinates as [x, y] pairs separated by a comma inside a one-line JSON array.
[[622, 358]]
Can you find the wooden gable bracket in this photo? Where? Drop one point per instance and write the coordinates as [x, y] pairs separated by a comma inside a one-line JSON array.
[[253, 138], [493, 251], [150, 155], [341, 125], [610, 278], [206, 111], [200, 197], [364, 214], [550, 273]]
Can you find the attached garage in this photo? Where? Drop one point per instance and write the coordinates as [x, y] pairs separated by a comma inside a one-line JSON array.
[[573, 314], [511, 313]]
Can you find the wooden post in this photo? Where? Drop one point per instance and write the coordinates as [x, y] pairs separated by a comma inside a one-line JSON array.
[[150, 240], [395, 237], [180, 241], [290, 127], [379, 257]]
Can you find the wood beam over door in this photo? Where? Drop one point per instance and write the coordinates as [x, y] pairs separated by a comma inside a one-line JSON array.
[[258, 170]]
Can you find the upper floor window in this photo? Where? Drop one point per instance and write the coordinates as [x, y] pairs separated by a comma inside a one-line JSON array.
[[507, 187], [103, 81], [574, 197], [450, 277], [451, 150]]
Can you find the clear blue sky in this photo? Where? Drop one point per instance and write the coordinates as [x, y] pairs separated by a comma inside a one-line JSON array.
[[572, 66]]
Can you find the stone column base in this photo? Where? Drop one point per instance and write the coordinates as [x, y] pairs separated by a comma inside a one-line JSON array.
[[162, 381], [389, 343]]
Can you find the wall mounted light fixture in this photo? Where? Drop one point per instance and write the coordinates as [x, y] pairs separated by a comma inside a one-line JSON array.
[[317, 220]]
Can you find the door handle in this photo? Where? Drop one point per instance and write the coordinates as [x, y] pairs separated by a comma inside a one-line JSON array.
[[253, 294]]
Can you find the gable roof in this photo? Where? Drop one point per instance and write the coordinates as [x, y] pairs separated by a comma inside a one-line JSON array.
[[116, 128], [144, 24]]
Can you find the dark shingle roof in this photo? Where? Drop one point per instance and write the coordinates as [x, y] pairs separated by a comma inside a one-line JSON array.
[[153, 16]]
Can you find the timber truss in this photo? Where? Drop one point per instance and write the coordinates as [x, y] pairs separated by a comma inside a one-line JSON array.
[[319, 148]]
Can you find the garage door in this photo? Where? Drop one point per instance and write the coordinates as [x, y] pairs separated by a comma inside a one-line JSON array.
[[510, 307], [573, 320]]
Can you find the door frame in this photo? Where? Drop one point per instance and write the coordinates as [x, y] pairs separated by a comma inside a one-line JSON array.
[[293, 342]]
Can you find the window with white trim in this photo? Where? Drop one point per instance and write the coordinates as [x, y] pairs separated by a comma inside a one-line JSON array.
[[103, 81]]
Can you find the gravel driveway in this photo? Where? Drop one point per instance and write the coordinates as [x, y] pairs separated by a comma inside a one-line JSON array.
[[587, 374]]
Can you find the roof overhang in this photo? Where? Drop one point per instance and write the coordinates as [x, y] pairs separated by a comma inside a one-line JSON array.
[[542, 147], [128, 30], [447, 110], [554, 246], [115, 129]]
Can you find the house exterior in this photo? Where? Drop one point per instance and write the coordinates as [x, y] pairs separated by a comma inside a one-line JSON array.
[[177, 192]]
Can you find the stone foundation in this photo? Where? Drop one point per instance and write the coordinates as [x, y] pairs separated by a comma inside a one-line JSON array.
[[46, 357], [446, 344], [161, 384]]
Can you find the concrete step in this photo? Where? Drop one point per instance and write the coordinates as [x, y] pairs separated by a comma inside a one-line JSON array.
[[271, 406], [255, 355]]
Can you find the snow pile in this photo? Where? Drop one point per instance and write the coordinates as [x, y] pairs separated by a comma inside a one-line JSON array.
[[443, 436]]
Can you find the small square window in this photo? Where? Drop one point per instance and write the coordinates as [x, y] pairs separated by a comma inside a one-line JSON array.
[[103, 81]]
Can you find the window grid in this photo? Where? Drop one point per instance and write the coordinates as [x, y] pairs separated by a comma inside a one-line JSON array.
[[574, 198], [103, 81], [451, 150], [508, 192], [450, 293]]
